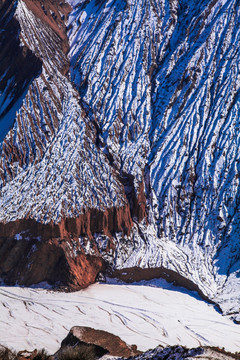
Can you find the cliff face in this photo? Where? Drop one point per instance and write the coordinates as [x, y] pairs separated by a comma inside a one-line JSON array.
[[18, 66], [73, 194], [125, 138], [63, 254]]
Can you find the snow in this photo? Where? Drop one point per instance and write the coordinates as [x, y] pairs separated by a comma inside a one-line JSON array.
[[7, 120], [18, 237], [167, 109], [146, 314], [178, 127]]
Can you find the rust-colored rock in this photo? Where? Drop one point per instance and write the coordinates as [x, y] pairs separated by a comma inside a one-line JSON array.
[[95, 221], [91, 221], [113, 344], [140, 203], [54, 14], [28, 262], [32, 252]]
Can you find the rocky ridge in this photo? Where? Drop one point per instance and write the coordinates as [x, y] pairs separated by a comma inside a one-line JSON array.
[[125, 146]]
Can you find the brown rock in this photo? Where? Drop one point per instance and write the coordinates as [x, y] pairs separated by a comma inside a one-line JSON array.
[[28, 262], [32, 252], [27, 355], [53, 13], [112, 343]]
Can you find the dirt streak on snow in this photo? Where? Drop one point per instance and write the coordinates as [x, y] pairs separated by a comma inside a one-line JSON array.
[[141, 315]]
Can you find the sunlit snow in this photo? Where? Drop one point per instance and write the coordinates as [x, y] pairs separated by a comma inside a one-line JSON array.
[[149, 315]]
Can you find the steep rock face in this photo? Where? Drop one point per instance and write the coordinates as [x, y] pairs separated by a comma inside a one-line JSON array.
[[40, 113], [128, 140], [27, 258], [18, 66], [58, 189], [82, 230], [195, 141], [163, 78]]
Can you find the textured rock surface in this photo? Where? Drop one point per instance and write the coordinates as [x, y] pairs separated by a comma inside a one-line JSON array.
[[127, 138], [111, 343], [18, 66], [55, 256]]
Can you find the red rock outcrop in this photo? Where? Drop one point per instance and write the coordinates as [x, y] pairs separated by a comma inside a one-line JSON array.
[[32, 252], [111, 343], [28, 262], [54, 14]]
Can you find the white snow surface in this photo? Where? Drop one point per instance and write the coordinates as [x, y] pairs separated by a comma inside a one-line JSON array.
[[146, 314], [167, 111]]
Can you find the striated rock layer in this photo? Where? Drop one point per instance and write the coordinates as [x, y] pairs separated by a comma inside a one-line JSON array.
[[125, 144], [18, 66]]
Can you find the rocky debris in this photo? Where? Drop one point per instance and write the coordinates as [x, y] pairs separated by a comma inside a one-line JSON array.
[[27, 355], [180, 353], [89, 350], [7, 354], [169, 353], [105, 342]]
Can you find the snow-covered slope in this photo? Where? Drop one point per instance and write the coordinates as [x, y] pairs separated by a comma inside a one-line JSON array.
[[147, 315], [172, 73], [132, 126], [18, 66]]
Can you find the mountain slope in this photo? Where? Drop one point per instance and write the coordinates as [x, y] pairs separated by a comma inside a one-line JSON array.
[[126, 144], [179, 105]]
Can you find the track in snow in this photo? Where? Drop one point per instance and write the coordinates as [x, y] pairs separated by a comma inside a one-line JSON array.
[[142, 315]]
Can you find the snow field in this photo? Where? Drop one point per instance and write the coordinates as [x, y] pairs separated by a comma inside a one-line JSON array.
[[143, 315]]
